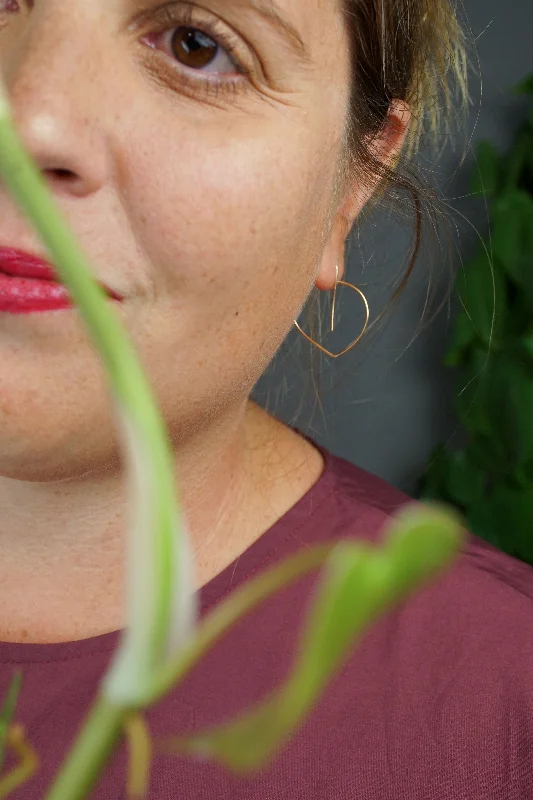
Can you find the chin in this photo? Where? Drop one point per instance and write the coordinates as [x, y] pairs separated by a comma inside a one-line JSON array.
[[36, 456]]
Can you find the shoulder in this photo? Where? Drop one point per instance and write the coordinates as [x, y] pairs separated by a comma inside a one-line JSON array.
[[484, 601], [365, 504], [453, 664], [435, 701]]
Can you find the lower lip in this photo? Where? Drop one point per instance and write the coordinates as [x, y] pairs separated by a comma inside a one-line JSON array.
[[30, 296]]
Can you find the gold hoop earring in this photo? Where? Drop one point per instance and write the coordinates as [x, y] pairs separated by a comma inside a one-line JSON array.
[[356, 341]]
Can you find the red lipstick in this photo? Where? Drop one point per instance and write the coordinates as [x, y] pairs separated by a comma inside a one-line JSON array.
[[29, 284]]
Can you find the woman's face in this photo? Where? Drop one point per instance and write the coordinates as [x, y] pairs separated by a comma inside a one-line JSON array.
[[193, 148]]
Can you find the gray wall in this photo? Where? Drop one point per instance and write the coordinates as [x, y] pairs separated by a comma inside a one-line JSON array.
[[386, 405]]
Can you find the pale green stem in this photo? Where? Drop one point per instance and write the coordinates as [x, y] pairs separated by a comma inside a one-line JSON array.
[[238, 604], [146, 665], [91, 752], [158, 547]]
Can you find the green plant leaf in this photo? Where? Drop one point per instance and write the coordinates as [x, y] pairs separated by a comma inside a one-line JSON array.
[[528, 471], [28, 762], [512, 234], [463, 335], [485, 454], [482, 291], [466, 482], [517, 160], [495, 408], [486, 172], [160, 602], [519, 317], [525, 86], [491, 478], [421, 541], [484, 521], [518, 507], [8, 712], [359, 584], [470, 400], [239, 603], [433, 485], [525, 347], [480, 452], [506, 520], [515, 384]]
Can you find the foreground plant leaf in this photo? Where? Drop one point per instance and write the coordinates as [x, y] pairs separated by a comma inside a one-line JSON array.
[[359, 584], [8, 712], [107, 721], [239, 603], [28, 762], [160, 608], [140, 756], [160, 603]]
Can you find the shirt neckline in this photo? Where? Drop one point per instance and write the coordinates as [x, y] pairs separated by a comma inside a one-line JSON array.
[[252, 560]]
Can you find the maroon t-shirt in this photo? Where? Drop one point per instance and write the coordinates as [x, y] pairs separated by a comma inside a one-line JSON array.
[[435, 704]]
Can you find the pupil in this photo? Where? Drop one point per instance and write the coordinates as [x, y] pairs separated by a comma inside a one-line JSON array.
[[193, 47]]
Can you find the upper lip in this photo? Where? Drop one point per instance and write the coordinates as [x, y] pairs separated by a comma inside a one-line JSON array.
[[22, 264]]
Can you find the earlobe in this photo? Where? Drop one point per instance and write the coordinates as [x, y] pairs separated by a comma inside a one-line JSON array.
[[334, 254], [323, 280], [387, 147]]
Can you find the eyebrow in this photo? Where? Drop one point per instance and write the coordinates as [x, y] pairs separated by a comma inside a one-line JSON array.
[[268, 10], [272, 14]]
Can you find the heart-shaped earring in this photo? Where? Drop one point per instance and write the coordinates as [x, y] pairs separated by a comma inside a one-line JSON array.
[[351, 286]]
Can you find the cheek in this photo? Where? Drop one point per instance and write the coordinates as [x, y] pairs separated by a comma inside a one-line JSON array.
[[231, 233], [210, 217]]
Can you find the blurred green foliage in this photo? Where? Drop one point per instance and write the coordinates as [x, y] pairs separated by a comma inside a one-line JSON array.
[[490, 478]]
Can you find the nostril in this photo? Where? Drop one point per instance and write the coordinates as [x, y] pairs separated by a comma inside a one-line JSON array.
[[61, 173], [64, 181], [70, 181], [62, 178]]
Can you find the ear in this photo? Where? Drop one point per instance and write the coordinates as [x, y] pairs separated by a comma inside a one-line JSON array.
[[387, 147]]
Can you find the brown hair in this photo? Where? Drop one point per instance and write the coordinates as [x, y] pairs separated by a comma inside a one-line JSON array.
[[414, 51], [410, 50]]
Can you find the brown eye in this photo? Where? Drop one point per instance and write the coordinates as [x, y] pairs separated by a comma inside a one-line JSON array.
[[193, 48], [204, 56]]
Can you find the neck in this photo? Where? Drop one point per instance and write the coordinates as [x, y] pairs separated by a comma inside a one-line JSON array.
[[62, 544]]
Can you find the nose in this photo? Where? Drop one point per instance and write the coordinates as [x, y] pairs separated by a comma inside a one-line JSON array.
[[51, 83]]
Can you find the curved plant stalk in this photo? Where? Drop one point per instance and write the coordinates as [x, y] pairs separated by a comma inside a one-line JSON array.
[[159, 570], [359, 584], [159, 597], [107, 722], [140, 745], [8, 712], [239, 603], [28, 762], [160, 643]]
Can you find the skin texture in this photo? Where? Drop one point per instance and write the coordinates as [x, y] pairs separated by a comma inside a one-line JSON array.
[[213, 213]]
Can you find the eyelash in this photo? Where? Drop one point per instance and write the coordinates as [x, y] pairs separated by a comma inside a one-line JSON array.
[[170, 19]]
